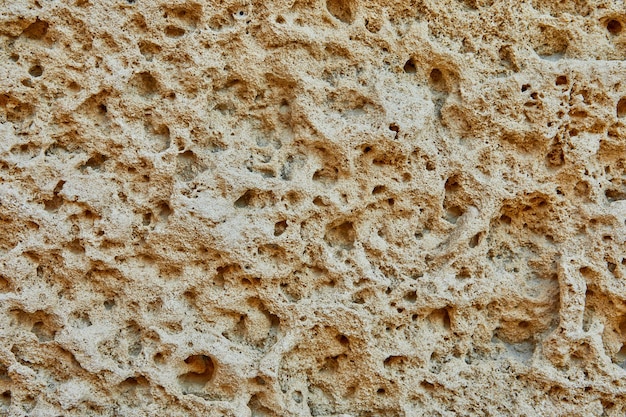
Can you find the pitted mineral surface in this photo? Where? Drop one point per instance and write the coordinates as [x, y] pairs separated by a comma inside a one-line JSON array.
[[312, 208]]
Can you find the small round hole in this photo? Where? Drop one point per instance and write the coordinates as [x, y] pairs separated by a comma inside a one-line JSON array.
[[614, 27], [343, 339], [561, 80], [409, 67], [621, 107], [36, 71], [436, 76]]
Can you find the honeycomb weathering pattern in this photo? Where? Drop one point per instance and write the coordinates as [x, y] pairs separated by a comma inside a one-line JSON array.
[[312, 208]]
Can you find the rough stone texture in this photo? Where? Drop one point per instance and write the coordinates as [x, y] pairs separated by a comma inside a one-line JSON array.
[[309, 208]]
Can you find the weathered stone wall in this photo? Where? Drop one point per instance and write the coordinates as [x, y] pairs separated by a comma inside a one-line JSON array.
[[310, 208]]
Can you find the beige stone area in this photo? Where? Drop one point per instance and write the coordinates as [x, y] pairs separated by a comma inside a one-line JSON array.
[[312, 208]]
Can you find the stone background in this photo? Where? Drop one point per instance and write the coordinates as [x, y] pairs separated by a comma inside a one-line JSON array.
[[312, 208]]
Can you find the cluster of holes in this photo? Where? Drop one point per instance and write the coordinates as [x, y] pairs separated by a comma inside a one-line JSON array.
[[201, 367], [40, 323], [556, 156], [453, 202], [553, 42], [14, 109], [253, 324]]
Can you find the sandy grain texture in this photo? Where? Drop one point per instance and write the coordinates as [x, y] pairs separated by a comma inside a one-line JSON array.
[[312, 208]]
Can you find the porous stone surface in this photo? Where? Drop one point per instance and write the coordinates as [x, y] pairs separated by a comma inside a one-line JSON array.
[[312, 208]]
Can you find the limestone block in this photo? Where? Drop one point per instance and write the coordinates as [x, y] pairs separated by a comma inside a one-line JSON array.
[[312, 208]]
